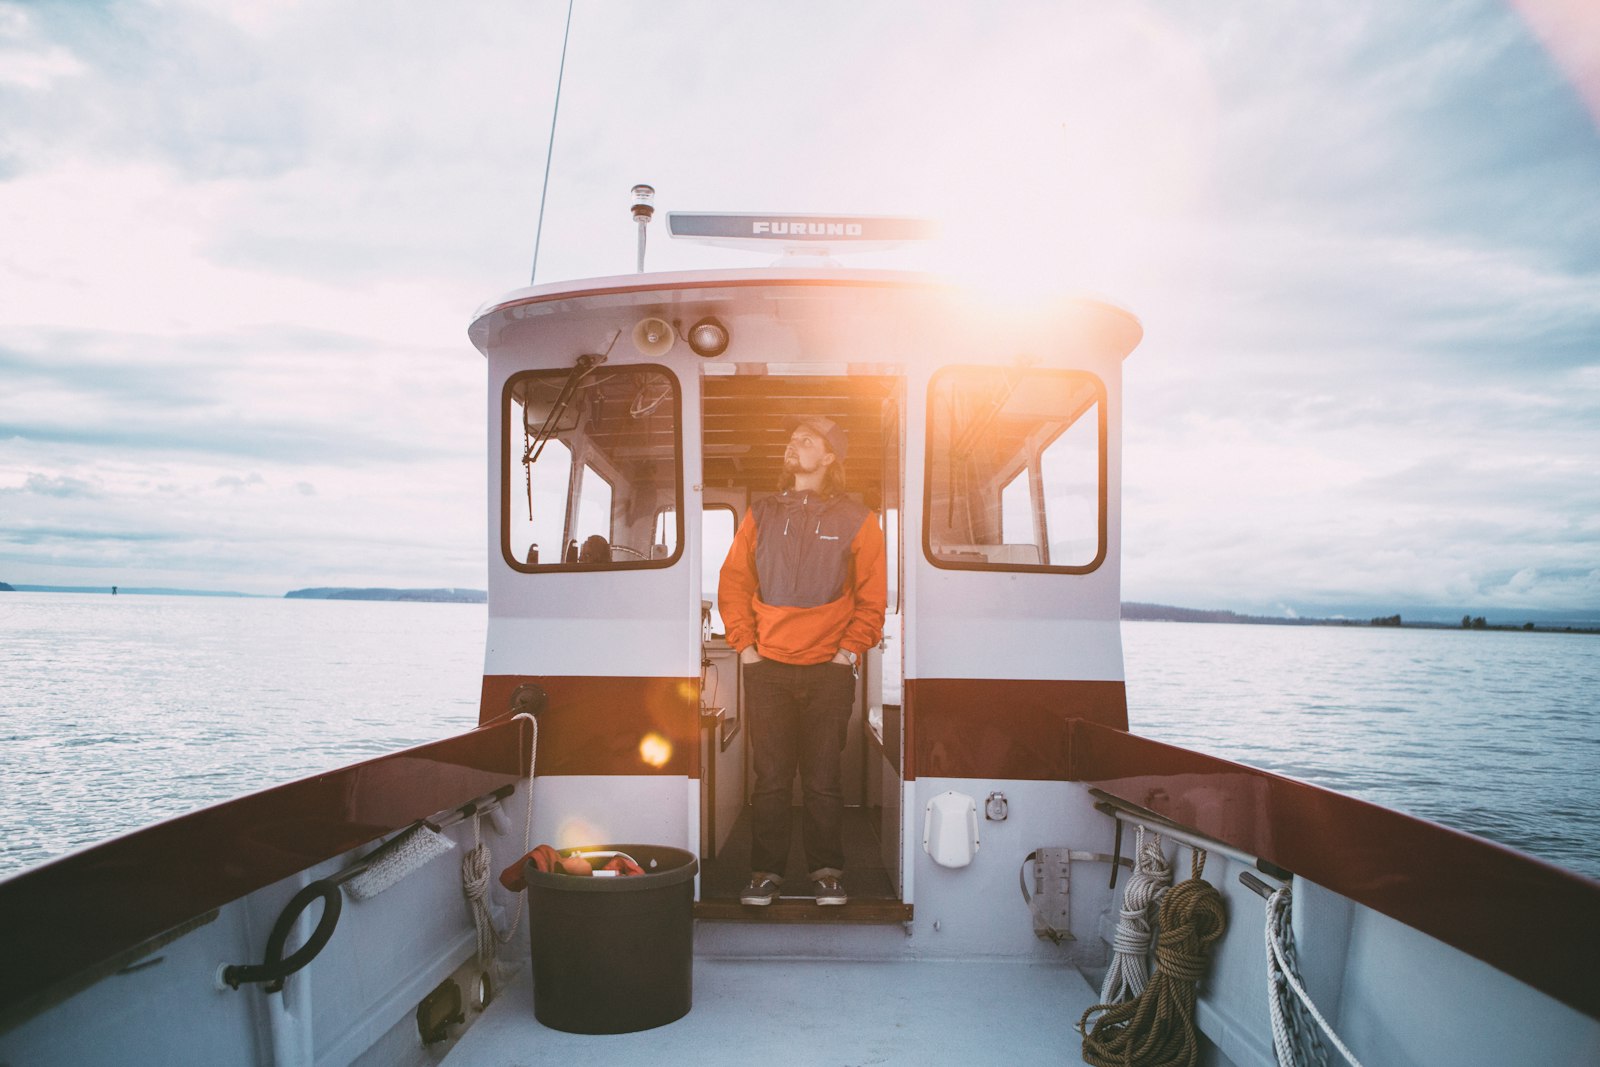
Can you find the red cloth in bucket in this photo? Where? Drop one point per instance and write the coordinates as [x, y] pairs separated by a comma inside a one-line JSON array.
[[546, 858]]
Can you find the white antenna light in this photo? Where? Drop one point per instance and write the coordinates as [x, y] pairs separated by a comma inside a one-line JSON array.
[[643, 208]]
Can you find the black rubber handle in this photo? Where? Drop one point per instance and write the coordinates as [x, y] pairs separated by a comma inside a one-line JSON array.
[[275, 968]]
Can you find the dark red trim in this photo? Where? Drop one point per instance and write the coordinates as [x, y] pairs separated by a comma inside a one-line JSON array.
[[1001, 727], [70, 915], [596, 724], [1536, 922]]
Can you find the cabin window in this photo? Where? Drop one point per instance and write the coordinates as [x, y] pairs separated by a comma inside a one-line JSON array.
[[1016, 470], [593, 469]]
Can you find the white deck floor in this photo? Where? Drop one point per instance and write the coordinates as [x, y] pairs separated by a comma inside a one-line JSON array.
[[819, 1013]]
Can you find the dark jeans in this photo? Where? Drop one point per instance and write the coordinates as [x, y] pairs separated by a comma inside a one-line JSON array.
[[798, 716]]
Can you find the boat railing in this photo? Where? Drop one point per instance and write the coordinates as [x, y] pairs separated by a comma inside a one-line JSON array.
[[1521, 915], [1127, 814], [105, 908]]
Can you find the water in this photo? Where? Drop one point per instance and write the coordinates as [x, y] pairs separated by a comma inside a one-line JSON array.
[[1495, 733], [118, 711]]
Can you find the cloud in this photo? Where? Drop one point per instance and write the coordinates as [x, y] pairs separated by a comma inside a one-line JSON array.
[[29, 71], [1428, 493], [45, 535], [244, 241], [44, 485], [277, 392]]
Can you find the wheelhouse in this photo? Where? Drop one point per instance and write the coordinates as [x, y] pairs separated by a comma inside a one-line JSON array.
[[624, 451]]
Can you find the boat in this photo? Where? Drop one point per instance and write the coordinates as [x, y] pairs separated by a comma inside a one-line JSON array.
[[1001, 802]]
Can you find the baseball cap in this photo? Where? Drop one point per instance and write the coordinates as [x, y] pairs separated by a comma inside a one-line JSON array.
[[826, 429]]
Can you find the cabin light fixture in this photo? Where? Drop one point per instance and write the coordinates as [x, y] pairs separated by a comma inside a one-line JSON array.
[[708, 338]]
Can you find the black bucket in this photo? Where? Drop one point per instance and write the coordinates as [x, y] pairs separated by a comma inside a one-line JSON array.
[[613, 955]]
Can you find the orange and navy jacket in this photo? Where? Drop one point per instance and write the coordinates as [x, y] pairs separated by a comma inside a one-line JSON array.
[[805, 577]]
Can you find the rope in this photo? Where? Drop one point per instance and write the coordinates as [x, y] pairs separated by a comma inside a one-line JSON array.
[[1157, 1029], [478, 862], [1129, 971], [1293, 1040], [475, 883]]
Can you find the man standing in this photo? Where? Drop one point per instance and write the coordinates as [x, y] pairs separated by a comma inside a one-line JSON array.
[[802, 593]]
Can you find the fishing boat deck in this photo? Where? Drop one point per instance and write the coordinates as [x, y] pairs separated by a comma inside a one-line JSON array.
[[817, 1012]]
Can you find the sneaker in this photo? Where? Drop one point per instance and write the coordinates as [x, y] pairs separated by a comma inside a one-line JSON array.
[[829, 890], [760, 890]]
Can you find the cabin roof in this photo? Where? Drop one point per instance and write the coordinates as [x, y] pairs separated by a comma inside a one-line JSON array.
[[644, 288]]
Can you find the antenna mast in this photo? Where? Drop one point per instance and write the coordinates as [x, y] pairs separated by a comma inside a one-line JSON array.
[[643, 208], [555, 113]]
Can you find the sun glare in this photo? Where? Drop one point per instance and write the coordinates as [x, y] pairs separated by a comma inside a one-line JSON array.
[[577, 833], [1074, 175], [655, 750]]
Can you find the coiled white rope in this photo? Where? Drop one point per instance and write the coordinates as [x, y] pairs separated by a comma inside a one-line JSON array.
[[478, 862], [1130, 968], [475, 883], [1294, 1041]]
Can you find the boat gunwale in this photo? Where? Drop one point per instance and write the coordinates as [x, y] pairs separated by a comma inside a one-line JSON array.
[[125, 895], [1521, 915], [1525, 917]]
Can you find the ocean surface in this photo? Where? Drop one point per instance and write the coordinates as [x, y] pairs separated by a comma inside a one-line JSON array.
[[119, 711]]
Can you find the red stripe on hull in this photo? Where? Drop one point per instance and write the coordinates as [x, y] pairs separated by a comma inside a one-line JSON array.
[[599, 725], [1001, 727]]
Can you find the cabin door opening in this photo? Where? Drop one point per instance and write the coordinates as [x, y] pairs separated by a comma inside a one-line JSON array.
[[747, 419]]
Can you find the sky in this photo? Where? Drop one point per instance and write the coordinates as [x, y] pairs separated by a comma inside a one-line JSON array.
[[240, 244]]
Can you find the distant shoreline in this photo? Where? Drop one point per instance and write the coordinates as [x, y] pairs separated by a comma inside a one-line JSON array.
[[420, 596], [1542, 621], [117, 590], [429, 596], [1133, 612]]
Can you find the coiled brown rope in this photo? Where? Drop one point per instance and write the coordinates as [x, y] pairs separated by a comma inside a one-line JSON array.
[[1157, 1028]]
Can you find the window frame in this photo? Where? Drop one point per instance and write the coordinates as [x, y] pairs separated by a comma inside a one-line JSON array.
[[1031, 467], [502, 518]]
